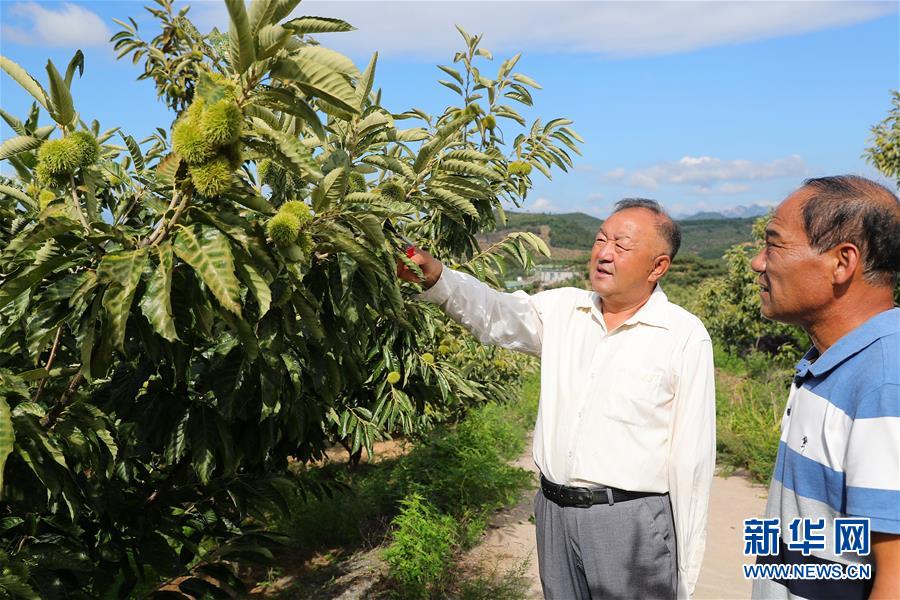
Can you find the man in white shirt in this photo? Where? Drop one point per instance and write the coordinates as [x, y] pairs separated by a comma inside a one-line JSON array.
[[625, 433]]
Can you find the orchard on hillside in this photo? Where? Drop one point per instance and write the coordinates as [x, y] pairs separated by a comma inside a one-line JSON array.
[[182, 316]]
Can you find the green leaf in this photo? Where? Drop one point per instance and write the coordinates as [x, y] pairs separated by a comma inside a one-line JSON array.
[[391, 164], [261, 12], [63, 109], [256, 284], [136, 156], [431, 147], [121, 272], [329, 58], [365, 82], [304, 25], [166, 170], [156, 303], [26, 81], [452, 73], [18, 283], [469, 168], [452, 203], [318, 80], [7, 438], [77, 62], [242, 45], [329, 189], [207, 251], [291, 148], [16, 145], [526, 80]]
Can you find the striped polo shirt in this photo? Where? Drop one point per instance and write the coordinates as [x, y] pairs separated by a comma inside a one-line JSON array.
[[839, 454]]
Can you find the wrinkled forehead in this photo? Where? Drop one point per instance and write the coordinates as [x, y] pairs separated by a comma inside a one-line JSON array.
[[635, 223]]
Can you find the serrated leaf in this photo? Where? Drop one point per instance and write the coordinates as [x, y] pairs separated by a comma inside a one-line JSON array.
[[431, 147], [121, 273], [256, 284], [329, 58], [77, 62], [469, 168], [209, 254], [26, 81], [156, 304], [135, 151], [305, 25], [365, 82], [7, 438], [63, 109], [241, 43], [16, 145], [291, 148], [452, 203], [391, 164], [166, 170], [318, 80]]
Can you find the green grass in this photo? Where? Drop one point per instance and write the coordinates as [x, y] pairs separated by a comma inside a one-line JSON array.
[[426, 505], [750, 396]]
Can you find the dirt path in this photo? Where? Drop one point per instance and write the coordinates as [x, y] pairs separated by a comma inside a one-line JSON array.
[[509, 542]]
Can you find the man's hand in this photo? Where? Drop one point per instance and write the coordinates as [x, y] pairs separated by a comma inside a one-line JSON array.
[[886, 548], [430, 266]]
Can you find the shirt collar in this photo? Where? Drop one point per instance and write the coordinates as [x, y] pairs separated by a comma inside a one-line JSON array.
[[653, 312], [881, 325]]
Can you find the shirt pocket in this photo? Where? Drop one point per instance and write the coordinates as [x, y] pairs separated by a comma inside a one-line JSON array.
[[634, 397]]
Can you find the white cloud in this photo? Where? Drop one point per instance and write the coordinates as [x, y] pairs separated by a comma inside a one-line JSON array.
[[614, 176], [66, 25], [424, 30], [541, 205], [703, 171]]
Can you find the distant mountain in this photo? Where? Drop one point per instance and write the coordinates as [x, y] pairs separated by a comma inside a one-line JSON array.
[[571, 235], [738, 212]]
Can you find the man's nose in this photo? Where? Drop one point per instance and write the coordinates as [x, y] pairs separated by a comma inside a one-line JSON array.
[[605, 251], [758, 263]]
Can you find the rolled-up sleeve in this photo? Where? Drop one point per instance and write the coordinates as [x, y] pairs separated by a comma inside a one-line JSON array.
[[692, 457], [512, 321]]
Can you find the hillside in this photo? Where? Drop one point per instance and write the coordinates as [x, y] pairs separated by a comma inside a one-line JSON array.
[[572, 233]]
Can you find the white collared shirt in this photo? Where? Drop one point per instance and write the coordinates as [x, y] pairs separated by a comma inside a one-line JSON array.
[[633, 408]]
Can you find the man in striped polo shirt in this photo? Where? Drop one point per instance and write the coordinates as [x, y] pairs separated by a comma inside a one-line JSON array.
[[830, 266]]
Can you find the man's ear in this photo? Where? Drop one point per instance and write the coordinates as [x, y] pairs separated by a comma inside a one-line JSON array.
[[847, 261], [660, 265]]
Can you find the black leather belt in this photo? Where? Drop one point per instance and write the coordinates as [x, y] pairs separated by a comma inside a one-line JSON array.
[[582, 497]]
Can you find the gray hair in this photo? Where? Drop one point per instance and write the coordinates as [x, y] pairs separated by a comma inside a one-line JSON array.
[[668, 229], [849, 208]]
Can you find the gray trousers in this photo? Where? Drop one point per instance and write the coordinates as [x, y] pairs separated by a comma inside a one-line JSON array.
[[624, 550]]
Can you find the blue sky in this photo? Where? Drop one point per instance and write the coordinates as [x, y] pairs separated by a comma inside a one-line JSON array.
[[701, 105]]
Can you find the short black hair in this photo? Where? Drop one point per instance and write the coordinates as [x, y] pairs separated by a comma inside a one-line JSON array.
[[665, 225], [850, 208]]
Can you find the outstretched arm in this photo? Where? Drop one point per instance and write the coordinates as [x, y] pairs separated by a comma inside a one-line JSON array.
[[512, 321]]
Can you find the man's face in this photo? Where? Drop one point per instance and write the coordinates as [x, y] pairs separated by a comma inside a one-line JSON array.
[[624, 254], [794, 278]]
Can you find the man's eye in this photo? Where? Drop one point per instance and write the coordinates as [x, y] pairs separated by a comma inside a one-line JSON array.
[[621, 247]]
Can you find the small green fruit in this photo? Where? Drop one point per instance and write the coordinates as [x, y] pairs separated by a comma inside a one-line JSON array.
[[357, 182], [305, 242], [212, 178], [489, 122], [283, 228], [519, 167], [393, 377], [189, 142], [443, 349], [298, 209], [393, 191], [428, 358], [221, 123], [45, 198], [87, 146], [59, 157]]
